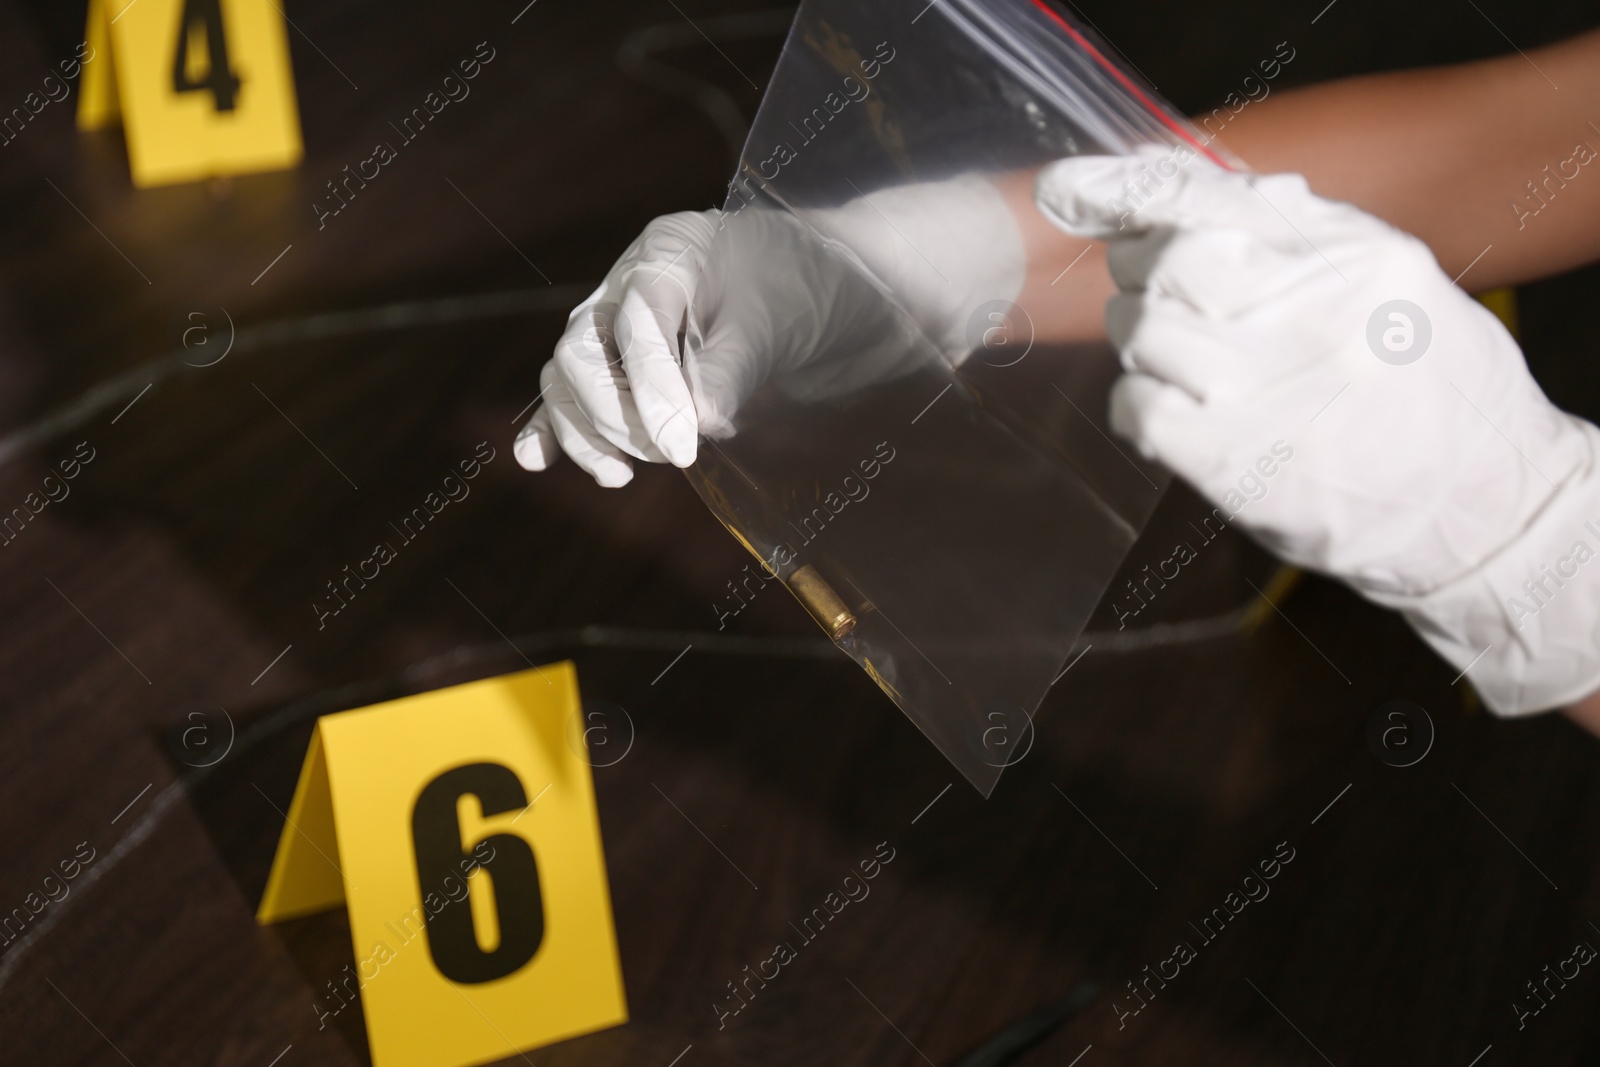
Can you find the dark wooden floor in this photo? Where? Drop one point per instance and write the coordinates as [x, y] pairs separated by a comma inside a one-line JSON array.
[[185, 560]]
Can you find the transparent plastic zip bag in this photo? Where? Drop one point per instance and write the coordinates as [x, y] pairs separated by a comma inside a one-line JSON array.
[[951, 522]]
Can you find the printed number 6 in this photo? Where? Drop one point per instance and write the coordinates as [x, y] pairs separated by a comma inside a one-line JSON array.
[[514, 873]]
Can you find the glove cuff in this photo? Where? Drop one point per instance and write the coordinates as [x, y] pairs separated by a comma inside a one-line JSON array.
[[1525, 626]]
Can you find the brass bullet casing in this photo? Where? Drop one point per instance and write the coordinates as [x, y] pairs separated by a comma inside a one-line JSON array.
[[821, 601]]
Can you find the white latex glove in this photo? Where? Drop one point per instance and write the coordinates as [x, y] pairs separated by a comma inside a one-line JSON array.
[[779, 300], [1413, 456]]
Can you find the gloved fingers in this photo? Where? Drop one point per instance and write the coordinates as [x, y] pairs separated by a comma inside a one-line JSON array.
[[588, 361], [1219, 272], [535, 446], [1165, 423], [1131, 259], [1164, 339], [655, 293], [589, 449], [597, 385], [1107, 197], [617, 355], [653, 310]]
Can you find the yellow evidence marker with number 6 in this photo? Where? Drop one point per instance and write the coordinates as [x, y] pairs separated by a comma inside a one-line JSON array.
[[202, 87], [459, 828]]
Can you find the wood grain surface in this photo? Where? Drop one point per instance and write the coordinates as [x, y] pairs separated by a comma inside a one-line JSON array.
[[172, 589]]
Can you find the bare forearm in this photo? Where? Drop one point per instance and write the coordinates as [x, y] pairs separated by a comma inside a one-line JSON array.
[[1447, 154], [1586, 713], [1486, 155]]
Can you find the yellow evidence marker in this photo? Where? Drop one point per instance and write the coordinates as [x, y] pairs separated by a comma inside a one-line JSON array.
[[459, 828], [202, 87]]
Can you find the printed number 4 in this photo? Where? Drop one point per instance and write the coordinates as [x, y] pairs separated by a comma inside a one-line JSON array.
[[204, 17]]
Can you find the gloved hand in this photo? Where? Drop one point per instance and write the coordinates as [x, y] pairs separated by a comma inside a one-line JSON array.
[[774, 301], [1312, 371]]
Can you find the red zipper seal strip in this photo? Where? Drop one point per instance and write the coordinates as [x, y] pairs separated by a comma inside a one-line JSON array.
[[1128, 83]]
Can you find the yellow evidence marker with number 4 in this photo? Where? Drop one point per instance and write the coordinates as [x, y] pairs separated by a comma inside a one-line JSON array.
[[399, 804], [202, 87]]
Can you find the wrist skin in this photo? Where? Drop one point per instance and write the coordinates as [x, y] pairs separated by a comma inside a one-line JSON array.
[[1586, 713]]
